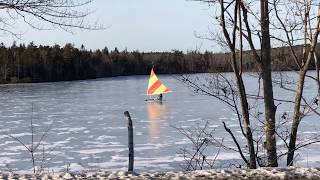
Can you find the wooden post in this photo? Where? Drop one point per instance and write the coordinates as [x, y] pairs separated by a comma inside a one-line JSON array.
[[130, 141]]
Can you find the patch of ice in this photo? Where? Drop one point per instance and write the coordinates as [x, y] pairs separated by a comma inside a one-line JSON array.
[[8, 154], [47, 123], [100, 138], [309, 132], [184, 127], [117, 157], [69, 129], [227, 156], [115, 128], [193, 120], [58, 143], [143, 147], [102, 144], [76, 167], [21, 134], [61, 133], [223, 118], [97, 151], [214, 126], [16, 148], [8, 142], [113, 165], [3, 136], [5, 130], [233, 125], [15, 122], [57, 162], [7, 160], [183, 141]]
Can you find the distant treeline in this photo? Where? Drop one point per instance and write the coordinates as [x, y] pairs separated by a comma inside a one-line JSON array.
[[31, 63]]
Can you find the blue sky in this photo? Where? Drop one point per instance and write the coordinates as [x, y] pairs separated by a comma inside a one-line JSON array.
[[144, 25]]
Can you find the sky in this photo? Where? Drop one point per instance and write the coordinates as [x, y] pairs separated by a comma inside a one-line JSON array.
[[144, 25]]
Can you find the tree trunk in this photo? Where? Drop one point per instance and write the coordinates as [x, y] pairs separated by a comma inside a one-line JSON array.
[[270, 108], [317, 71], [296, 121], [239, 80], [246, 120], [297, 115], [245, 112], [243, 98]]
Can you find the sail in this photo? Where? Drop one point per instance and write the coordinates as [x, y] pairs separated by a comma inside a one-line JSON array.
[[155, 86]]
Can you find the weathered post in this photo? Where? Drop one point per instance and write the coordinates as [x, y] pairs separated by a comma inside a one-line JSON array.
[[130, 141]]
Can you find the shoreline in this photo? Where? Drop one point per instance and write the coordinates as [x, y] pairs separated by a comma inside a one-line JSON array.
[[128, 76]]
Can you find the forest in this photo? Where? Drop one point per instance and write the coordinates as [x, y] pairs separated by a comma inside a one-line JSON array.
[[30, 63]]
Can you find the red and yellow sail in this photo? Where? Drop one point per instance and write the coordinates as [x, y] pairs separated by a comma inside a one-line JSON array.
[[155, 86]]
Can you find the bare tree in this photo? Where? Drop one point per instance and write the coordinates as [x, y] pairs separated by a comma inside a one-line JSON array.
[[296, 19], [45, 14], [231, 16], [39, 155], [265, 68], [303, 22], [199, 156], [237, 69]]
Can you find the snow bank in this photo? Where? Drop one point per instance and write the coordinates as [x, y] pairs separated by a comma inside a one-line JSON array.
[[219, 174]]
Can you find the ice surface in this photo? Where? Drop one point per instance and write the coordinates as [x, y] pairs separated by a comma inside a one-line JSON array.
[[87, 128]]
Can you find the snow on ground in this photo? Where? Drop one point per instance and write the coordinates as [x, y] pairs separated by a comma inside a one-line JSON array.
[[217, 174]]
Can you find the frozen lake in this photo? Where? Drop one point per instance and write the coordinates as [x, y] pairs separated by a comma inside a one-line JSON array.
[[88, 130]]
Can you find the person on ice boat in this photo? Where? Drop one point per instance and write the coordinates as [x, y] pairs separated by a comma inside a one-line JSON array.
[[160, 98], [156, 87]]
